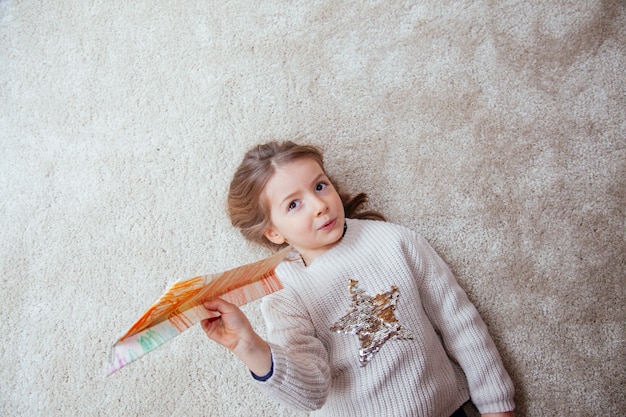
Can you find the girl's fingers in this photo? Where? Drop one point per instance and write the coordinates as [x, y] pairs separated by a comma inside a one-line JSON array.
[[207, 324], [231, 317], [220, 306]]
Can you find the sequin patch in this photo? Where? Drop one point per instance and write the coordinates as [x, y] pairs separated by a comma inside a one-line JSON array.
[[372, 319]]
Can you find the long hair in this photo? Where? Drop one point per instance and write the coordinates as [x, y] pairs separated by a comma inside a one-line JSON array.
[[244, 204]]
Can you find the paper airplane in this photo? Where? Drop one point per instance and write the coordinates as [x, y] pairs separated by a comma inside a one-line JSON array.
[[181, 306]]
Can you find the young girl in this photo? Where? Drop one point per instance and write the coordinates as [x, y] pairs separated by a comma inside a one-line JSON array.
[[370, 322]]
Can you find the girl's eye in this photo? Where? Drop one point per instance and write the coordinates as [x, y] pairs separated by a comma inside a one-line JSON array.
[[321, 186], [293, 205]]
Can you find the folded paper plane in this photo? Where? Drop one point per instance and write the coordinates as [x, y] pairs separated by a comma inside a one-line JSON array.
[[182, 306]]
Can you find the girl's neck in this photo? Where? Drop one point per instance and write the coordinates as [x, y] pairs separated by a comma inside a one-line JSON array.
[[345, 228]]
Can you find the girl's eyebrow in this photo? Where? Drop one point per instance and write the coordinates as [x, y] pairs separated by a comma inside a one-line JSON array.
[[290, 197]]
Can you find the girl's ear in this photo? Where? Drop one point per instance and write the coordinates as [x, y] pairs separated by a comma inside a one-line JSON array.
[[273, 236]]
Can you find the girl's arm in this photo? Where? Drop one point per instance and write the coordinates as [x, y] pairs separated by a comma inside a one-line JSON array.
[[233, 331], [507, 414], [464, 334], [300, 374]]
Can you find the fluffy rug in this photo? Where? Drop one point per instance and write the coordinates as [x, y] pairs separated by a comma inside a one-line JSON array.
[[496, 129]]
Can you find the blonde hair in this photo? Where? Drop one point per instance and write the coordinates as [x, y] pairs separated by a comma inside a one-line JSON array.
[[245, 207]]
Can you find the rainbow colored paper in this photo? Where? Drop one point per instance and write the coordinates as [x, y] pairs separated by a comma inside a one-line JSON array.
[[181, 306]]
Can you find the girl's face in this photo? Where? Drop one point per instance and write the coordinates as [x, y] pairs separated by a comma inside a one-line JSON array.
[[305, 209]]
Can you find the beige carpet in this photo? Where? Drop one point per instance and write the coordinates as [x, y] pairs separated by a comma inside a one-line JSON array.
[[497, 129]]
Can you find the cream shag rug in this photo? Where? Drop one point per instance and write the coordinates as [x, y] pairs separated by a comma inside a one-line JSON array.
[[494, 128]]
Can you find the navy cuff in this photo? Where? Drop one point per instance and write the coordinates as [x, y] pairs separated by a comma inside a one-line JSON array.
[[264, 377]]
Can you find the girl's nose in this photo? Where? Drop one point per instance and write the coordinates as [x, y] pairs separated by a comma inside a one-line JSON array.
[[320, 207]]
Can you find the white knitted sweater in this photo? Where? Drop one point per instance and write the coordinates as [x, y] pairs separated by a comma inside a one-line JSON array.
[[318, 369]]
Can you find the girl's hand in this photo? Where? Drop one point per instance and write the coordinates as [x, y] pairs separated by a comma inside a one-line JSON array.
[[507, 414], [229, 327], [232, 330]]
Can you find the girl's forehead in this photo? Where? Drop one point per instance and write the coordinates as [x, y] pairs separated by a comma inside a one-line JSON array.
[[293, 176], [301, 166]]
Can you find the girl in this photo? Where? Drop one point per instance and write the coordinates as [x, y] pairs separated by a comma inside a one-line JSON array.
[[370, 322]]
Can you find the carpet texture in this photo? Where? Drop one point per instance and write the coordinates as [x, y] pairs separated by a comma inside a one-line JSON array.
[[496, 129]]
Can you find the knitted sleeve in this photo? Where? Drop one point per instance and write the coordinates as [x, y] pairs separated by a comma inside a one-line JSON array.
[[464, 334], [301, 375]]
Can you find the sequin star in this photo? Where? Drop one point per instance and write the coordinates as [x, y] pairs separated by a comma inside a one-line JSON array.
[[372, 319]]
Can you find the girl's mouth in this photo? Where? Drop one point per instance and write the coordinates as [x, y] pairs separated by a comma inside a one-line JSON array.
[[329, 225]]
